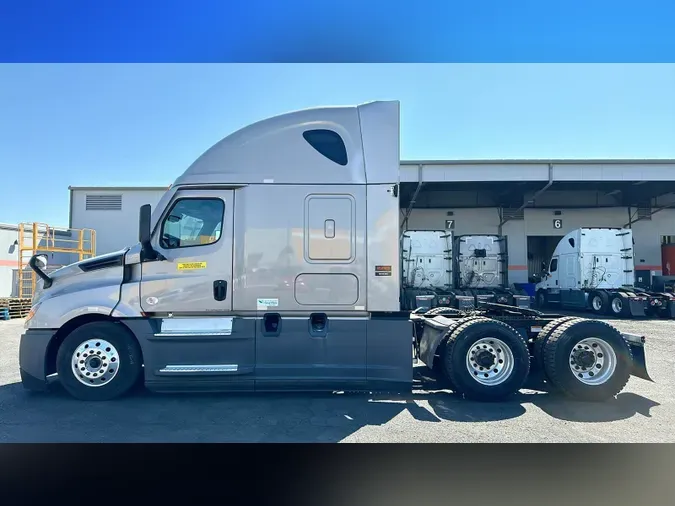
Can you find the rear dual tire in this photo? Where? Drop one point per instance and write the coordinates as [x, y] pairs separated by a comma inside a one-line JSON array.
[[439, 361], [599, 302], [485, 360], [587, 360], [603, 303]]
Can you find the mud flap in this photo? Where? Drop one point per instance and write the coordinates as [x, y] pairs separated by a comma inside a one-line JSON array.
[[636, 307], [670, 309], [637, 347]]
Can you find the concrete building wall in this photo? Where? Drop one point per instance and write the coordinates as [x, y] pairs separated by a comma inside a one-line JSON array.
[[115, 229]]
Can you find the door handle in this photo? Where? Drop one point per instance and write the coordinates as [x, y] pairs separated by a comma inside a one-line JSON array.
[[220, 289]]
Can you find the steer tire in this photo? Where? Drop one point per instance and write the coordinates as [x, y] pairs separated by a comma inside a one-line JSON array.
[[540, 300], [128, 358], [557, 363], [543, 336], [458, 346]]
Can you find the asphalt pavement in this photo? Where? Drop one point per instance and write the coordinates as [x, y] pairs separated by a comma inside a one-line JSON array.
[[643, 412]]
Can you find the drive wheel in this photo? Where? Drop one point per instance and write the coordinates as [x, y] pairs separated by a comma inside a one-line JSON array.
[[599, 302], [99, 361], [439, 362], [487, 360], [588, 360], [618, 306], [543, 336]]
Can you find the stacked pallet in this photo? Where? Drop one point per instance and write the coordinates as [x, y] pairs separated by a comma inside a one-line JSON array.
[[14, 308]]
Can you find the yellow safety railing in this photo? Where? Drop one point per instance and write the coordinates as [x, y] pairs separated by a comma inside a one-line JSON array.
[[70, 245]]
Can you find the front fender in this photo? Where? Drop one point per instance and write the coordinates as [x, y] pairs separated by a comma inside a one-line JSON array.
[[54, 312], [129, 305]]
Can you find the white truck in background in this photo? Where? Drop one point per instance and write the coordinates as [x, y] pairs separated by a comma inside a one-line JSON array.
[[593, 268], [460, 272]]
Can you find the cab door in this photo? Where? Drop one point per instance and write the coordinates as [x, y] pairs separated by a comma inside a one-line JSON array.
[[188, 292], [553, 280]]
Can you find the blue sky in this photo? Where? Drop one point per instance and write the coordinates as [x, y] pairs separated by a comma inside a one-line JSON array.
[[143, 124]]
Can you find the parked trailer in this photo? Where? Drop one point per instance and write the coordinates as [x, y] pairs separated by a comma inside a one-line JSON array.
[[593, 269], [461, 272], [187, 308]]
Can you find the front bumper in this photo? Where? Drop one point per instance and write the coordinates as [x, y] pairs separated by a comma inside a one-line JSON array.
[[33, 349]]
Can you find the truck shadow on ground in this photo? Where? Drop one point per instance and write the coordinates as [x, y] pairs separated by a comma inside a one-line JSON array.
[[536, 393], [148, 417]]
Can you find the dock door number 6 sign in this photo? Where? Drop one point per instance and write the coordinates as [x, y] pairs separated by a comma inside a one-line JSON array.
[[557, 224]]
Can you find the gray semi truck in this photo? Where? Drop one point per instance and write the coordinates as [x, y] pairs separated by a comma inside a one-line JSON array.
[[273, 263]]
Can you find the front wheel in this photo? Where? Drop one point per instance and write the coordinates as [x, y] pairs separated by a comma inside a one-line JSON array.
[[486, 360], [540, 299], [99, 361], [588, 360]]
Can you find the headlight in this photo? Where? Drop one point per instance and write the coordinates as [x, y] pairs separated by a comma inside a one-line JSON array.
[[30, 314]]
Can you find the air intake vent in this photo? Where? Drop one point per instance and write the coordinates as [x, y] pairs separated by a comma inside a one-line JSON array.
[[513, 214], [644, 211], [104, 203]]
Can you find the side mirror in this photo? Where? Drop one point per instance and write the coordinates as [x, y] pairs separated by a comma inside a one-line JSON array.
[[144, 224], [41, 261], [144, 232]]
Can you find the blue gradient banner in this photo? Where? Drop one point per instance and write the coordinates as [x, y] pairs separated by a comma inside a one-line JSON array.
[[336, 31]]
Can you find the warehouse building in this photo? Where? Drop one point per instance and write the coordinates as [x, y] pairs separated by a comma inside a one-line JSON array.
[[531, 202]]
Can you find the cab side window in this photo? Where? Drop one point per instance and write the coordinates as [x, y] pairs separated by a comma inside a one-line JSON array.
[[192, 222], [554, 265]]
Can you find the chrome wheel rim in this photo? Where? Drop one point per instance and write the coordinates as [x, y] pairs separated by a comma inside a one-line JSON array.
[[597, 303], [490, 361], [617, 305], [593, 361], [95, 362]]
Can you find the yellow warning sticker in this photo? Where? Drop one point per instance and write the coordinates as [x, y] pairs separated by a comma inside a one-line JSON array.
[[188, 266]]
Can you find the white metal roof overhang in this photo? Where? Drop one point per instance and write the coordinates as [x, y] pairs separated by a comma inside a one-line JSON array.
[[509, 183]]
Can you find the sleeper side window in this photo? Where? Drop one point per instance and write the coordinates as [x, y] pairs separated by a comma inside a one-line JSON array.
[[192, 222], [329, 144]]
